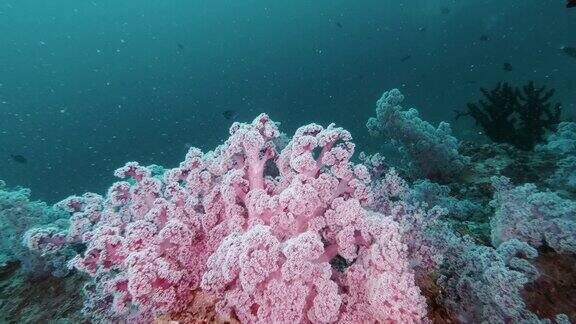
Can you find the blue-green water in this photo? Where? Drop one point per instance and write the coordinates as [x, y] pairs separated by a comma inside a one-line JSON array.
[[470, 224], [88, 85]]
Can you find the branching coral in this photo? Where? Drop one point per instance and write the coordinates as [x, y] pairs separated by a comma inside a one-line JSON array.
[[17, 215], [319, 241], [518, 117], [296, 233], [534, 217], [482, 284], [431, 152], [433, 194], [562, 144]]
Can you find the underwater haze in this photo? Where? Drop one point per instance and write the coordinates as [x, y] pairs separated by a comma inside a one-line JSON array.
[[87, 86], [319, 161]]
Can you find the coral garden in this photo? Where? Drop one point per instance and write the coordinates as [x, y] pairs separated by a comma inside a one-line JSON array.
[[270, 228]]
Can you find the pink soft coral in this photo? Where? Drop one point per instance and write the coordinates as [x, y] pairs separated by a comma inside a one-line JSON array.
[[279, 271], [296, 247]]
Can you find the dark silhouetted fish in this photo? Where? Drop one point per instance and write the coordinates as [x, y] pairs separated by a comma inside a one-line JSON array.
[[19, 159], [445, 10], [507, 67], [180, 46], [405, 58], [229, 114], [338, 24], [570, 51], [571, 4], [484, 38]]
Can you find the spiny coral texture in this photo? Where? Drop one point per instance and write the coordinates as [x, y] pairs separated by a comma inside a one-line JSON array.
[[532, 216], [482, 284], [433, 194], [562, 143], [262, 245], [432, 152], [18, 214]]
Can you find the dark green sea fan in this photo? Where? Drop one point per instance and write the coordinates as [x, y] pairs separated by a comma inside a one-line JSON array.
[[516, 116]]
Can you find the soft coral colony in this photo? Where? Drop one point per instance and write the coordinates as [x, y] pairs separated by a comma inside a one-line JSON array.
[[262, 244], [285, 231]]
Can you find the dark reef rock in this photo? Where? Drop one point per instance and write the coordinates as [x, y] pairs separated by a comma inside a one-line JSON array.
[[553, 292], [487, 161], [40, 301]]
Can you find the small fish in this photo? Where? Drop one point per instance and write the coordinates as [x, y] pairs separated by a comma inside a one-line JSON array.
[[19, 159], [484, 38], [230, 114], [405, 58], [571, 4], [338, 24], [570, 51], [422, 29], [445, 10], [507, 67], [470, 82], [180, 46]]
